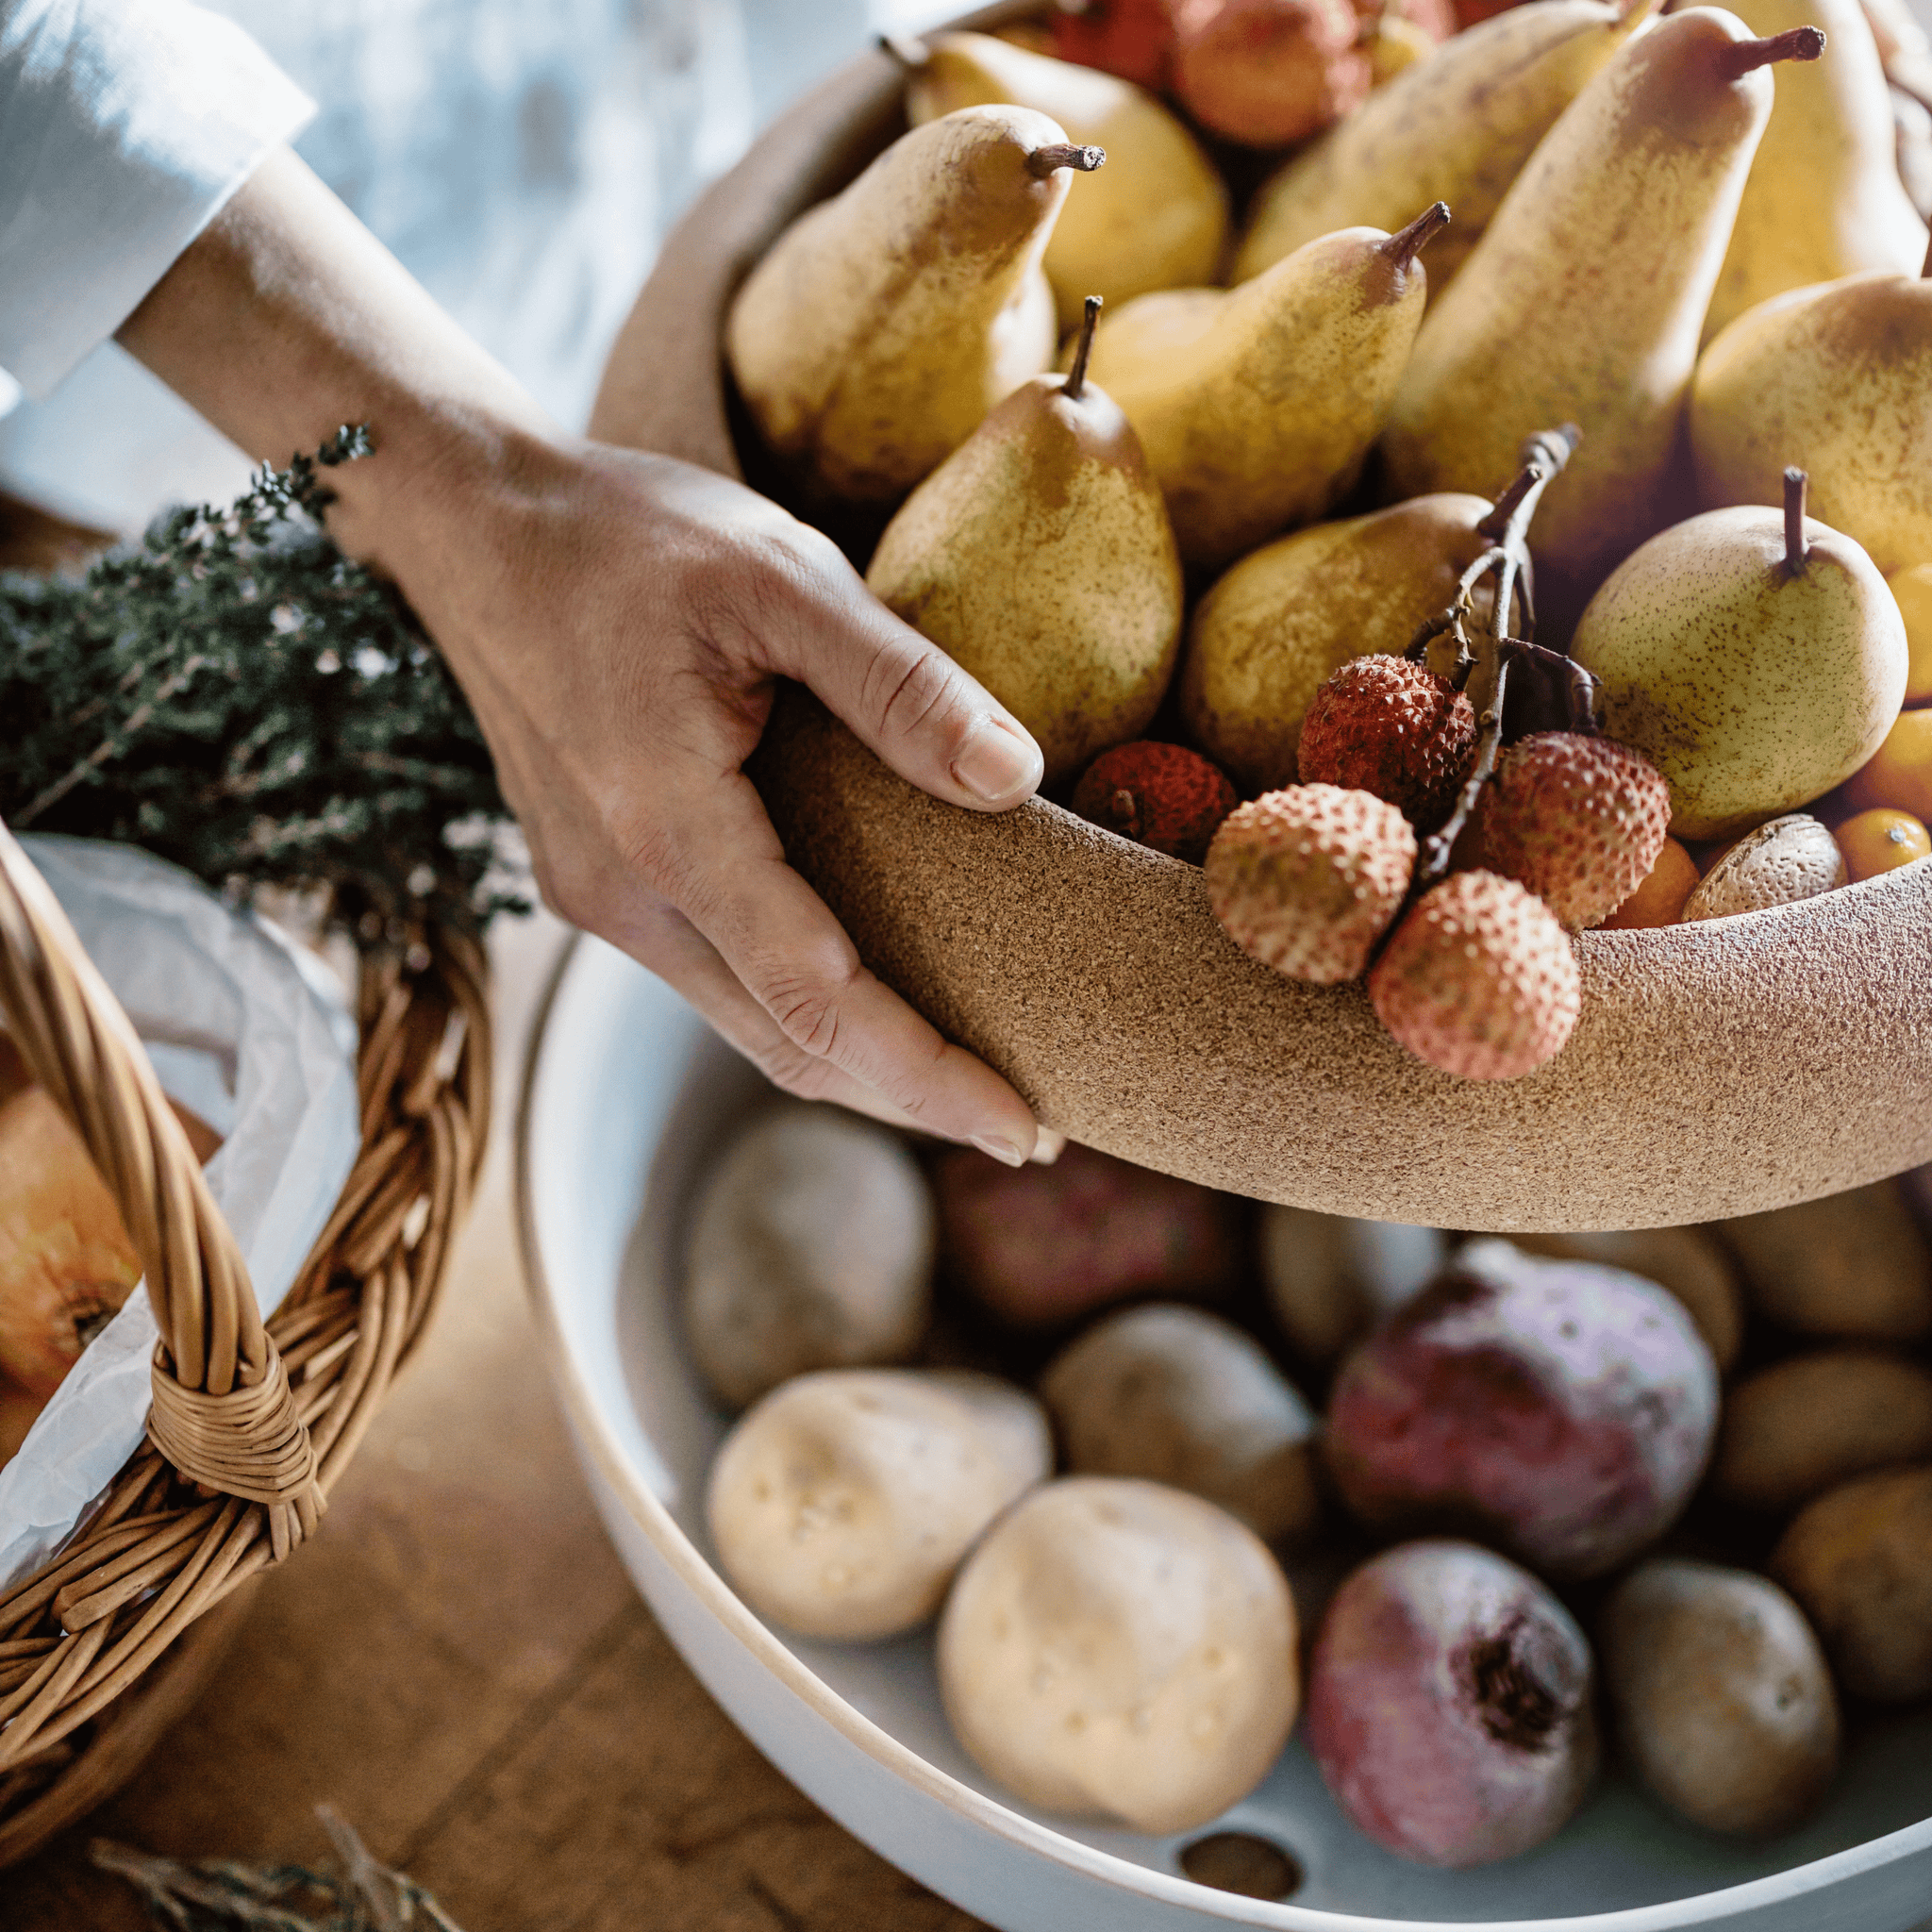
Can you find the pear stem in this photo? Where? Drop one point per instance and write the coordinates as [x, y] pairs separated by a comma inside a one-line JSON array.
[[1796, 549], [1404, 247], [1055, 155], [1794, 43], [1075, 385], [913, 55]]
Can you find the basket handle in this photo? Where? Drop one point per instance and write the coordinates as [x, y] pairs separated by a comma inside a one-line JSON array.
[[224, 1415]]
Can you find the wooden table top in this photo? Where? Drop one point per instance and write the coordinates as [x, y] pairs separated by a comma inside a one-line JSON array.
[[460, 1665]]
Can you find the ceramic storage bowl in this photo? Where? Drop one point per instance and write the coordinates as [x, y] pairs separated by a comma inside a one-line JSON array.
[[627, 1099], [1718, 1068]]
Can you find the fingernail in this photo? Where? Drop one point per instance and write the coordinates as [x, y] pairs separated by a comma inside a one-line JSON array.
[[1047, 1147], [998, 762], [1000, 1150]]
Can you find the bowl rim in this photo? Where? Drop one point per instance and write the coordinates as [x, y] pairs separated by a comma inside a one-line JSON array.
[[691, 1569]]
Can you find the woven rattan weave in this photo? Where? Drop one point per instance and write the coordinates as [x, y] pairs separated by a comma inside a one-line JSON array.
[[253, 1422]]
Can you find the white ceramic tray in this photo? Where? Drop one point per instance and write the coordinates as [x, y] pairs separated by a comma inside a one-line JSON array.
[[625, 1097]]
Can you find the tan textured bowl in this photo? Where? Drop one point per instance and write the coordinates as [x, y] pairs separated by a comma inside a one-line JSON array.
[[1718, 1068]]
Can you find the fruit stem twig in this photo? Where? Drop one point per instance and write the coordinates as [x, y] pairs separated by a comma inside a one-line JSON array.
[[1507, 558], [1796, 549], [1794, 43], [1075, 385], [910, 53], [1404, 245], [1055, 155], [1508, 526]]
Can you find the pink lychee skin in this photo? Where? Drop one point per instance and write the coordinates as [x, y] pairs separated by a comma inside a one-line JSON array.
[[1560, 1409], [1449, 1704]]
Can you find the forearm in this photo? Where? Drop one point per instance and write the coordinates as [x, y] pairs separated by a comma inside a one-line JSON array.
[[286, 318]]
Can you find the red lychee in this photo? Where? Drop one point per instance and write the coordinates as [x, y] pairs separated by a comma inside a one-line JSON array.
[[1133, 39], [1384, 725], [1478, 979], [1579, 821], [1305, 879], [1163, 796]]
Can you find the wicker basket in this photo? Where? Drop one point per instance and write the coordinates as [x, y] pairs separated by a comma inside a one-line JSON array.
[[253, 1422]]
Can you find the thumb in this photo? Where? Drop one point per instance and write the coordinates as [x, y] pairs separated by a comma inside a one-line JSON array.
[[938, 726]]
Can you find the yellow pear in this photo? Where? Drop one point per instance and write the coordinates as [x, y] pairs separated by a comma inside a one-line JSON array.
[[1837, 380], [1753, 655], [1456, 126], [1257, 404], [1155, 217], [1038, 556], [1583, 301], [883, 324], [1268, 633], [1823, 198]]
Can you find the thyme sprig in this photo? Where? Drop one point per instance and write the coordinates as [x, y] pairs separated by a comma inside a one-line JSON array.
[[236, 695]]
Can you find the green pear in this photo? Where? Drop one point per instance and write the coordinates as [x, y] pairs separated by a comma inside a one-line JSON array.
[[1753, 655], [1837, 380], [1257, 405], [883, 324], [1456, 126], [1268, 634], [1039, 557], [1155, 217], [1823, 198], [1583, 301]]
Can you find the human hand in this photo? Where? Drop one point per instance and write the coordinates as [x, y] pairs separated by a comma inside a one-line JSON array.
[[617, 621]]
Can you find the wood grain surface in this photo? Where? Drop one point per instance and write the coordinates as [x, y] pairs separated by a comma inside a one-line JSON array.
[[461, 1666]]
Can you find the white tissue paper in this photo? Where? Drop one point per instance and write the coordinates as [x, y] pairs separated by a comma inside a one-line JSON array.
[[251, 1033]]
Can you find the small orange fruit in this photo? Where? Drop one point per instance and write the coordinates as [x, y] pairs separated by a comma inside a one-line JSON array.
[[1899, 772], [1658, 899], [1913, 590], [1882, 839]]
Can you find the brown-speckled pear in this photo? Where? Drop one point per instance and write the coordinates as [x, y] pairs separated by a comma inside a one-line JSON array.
[[1456, 126], [1838, 379], [1257, 405], [1825, 198], [1155, 217], [1583, 301], [1039, 557], [1284, 618], [883, 324], [1754, 655]]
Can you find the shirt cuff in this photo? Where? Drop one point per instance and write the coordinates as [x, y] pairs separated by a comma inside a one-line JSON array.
[[124, 129]]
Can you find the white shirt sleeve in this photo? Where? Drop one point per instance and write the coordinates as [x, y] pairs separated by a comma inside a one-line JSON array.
[[125, 127]]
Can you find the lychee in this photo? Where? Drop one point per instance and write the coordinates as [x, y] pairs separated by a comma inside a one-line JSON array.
[[1161, 795], [1478, 979], [1579, 821], [1399, 730], [1306, 878]]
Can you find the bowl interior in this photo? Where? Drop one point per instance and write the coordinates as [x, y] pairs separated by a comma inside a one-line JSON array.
[[630, 1096]]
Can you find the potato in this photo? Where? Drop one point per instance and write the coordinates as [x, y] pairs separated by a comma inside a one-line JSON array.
[[1719, 1695], [1042, 1246], [1793, 1431], [1014, 1423], [841, 1504], [1852, 1265], [1859, 1562], [1181, 1397], [1330, 1278], [1687, 1261], [811, 1247], [1118, 1650]]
